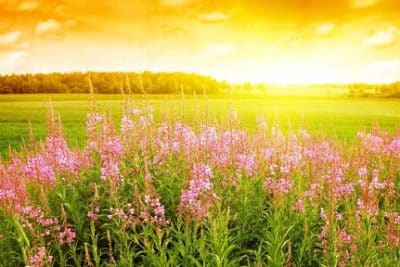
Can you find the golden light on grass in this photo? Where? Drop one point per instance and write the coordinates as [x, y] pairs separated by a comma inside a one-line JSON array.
[[281, 42]]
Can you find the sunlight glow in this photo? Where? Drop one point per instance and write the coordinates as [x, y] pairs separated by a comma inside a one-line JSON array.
[[281, 42]]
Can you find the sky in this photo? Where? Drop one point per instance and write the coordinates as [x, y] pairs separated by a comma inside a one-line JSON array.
[[281, 41]]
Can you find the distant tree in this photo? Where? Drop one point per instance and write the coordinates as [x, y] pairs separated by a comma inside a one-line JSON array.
[[248, 87], [150, 82], [261, 87]]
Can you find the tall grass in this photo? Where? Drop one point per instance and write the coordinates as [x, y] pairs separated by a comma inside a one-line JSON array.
[[165, 193]]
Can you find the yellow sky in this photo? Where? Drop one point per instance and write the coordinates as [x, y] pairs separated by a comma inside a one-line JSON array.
[[281, 41]]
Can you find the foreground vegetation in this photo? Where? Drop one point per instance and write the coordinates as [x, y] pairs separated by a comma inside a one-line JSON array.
[[161, 192]]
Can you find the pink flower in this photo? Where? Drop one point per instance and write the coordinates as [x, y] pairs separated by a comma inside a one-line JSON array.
[[247, 163], [346, 238], [278, 187], [298, 206], [198, 198], [362, 171], [67, 236], [40, 258], [39, 169], [59, 155]]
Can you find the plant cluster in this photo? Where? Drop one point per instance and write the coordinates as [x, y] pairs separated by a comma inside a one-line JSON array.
[[172, 194]]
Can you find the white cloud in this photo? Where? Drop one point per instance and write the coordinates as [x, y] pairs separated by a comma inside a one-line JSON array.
[[213, 17], [325, 29], [9, 38], [48, 26], [12, 60], [382, 38], [363, 3], [219, 50], [27, 6]]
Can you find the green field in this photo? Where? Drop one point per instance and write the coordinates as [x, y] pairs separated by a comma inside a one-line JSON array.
[[337, 117]]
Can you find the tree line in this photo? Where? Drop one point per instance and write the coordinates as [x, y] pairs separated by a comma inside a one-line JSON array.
[[156, 83], [381, 90], [111, 83]]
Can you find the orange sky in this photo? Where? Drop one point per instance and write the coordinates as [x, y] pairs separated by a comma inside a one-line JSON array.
[[281, 41]]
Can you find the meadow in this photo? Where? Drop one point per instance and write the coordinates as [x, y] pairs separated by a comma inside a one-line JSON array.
[[337, 117], [200, 181]]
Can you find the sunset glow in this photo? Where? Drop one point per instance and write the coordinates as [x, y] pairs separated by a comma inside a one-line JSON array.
[[294, 41]]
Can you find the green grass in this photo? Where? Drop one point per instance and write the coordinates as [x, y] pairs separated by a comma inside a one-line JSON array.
[[337, 117]]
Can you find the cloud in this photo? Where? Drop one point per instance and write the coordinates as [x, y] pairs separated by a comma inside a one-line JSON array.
[[382, 38], [218, 50], [325, 29], [9, 38], [12, 60], [28, 6], [213, 17], [48, 26], [363, 3]]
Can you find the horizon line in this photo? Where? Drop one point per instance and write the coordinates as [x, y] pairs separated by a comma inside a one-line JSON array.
[[202, 74]]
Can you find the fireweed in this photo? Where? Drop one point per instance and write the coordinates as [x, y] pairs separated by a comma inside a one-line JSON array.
[[170, 193]]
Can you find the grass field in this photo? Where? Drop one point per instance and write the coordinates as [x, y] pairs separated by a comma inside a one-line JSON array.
[[199, 185], [338, 117]]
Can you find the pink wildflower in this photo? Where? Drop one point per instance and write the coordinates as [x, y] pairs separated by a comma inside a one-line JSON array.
[[39, 169], [196, 200], [298, 206], [67, 236], [278, 187], [247, 163]]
